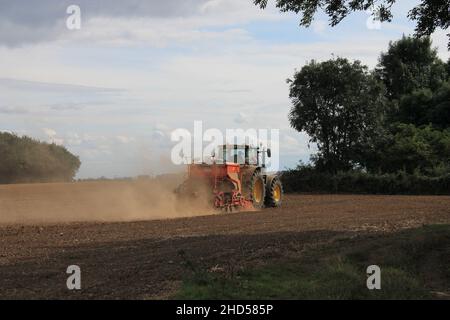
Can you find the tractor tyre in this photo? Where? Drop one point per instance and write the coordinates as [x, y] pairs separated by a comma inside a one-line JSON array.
[[274, 192], [257, 190]]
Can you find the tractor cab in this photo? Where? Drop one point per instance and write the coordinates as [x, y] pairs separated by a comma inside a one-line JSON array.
[[240, 154]]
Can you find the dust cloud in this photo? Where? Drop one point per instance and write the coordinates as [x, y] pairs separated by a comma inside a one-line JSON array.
[[95, 201]]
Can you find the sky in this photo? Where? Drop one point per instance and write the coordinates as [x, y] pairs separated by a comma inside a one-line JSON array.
[[113, 91]]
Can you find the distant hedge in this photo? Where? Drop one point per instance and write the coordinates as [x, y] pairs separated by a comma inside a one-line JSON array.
[[23, 159], [310, 181]]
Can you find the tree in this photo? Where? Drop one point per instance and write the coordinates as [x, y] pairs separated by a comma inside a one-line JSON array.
[[410, 64], [416, 81], [340, 105], [411, 149], [439, 112], [426, 107], [23, 159], [415, 108], [448, 70], [429, 14]]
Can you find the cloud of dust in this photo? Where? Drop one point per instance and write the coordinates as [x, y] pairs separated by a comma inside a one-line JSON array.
[[96, 201]]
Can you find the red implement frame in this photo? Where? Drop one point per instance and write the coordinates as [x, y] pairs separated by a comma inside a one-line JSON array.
[[217, 173]]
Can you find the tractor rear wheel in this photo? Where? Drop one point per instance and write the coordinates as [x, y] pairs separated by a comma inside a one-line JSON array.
[[274, 192], [257, 190]]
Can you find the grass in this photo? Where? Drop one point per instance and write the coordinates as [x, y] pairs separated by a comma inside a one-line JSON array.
[[414, 265]]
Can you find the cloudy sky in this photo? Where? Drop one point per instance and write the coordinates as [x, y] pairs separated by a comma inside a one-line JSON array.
[[114, 90]]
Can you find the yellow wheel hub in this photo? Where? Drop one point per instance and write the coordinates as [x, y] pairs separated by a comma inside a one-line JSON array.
[[277, 193], [258, 191]]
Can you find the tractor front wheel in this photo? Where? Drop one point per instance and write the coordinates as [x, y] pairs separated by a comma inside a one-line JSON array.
[[274, 192]]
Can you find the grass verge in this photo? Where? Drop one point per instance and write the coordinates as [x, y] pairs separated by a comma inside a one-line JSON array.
[[415, 264]]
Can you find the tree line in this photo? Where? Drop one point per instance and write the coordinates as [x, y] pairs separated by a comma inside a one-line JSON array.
[[389, 120], [23, 159]]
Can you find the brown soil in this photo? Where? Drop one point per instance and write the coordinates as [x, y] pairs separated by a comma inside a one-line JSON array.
[[147, 259]]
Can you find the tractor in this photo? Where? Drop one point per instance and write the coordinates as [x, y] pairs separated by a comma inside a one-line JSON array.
[[235, 180]]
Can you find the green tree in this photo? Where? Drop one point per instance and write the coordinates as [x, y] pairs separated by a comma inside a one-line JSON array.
[[424, 106], [340, 105], [411, 149], [429, 14], [439, 113], [415, 108], [410, 64], [448, 70], [23, 159]]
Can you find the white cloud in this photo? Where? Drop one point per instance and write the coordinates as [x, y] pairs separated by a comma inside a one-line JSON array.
[[49, 132], [52, 136], [319, 26], [134, 80], [440, 39], [241, 118], [124, 139], [157, 23], [74, 139]]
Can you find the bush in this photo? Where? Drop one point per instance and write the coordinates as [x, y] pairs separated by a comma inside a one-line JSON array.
[[411, 149], [307, 179], [23, 159]]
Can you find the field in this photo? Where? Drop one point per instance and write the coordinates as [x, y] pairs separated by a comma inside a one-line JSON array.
[[131, 240]]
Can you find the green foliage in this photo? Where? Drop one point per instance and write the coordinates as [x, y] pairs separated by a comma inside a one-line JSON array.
[[448, 69], [429, 14], [340, 105], [381, 134], [439, 113], [309, 180], [411, 149], [416, 107], [23, 159], [410, 64], [425, 106]]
